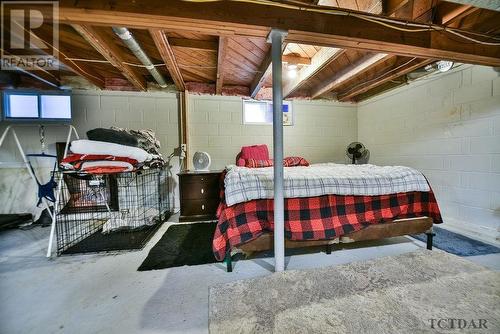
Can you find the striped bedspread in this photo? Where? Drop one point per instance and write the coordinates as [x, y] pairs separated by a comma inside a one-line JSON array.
[[245, 184]]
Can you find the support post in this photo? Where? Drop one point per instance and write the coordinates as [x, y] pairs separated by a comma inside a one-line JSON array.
[[276, 38], [328, 249]]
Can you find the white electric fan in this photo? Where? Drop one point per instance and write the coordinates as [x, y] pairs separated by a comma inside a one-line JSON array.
[[201, 161]]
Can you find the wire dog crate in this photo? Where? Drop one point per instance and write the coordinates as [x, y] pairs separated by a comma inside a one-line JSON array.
[[110, 212]]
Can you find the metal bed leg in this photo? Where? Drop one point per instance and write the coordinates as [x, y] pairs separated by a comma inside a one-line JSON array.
[[328, 249], [229, 262], [430, 236]]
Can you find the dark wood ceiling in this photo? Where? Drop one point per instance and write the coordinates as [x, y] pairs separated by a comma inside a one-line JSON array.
[[207, 61]]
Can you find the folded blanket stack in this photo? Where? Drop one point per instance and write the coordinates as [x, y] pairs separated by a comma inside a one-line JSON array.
[[114, 151]]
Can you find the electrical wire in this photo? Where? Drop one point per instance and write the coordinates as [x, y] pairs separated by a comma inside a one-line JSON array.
[[386, 22]]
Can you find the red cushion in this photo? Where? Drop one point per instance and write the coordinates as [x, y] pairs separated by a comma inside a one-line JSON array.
[[253, 163], [257, 152], [295, 161]]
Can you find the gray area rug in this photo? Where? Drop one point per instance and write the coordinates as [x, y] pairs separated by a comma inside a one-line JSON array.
[[396, 294]]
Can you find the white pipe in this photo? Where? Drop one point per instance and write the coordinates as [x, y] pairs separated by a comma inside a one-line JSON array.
[[276, 36]]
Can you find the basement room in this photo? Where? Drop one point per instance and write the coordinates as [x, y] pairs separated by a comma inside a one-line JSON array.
[[250, 166]]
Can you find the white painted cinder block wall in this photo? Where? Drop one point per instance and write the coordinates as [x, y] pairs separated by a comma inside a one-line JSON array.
[[320, 133], [449, 128], [91, 109]]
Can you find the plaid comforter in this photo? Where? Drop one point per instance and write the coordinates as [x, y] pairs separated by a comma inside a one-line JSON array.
[[246, 184], [317, 218]]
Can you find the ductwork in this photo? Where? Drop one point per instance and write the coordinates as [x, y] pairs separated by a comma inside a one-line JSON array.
[[131, 43]]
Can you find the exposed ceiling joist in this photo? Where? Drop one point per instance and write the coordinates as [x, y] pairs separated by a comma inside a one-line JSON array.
[[296, 60], [263, 72], [349, 72], [193, 44], [321, 59], [405, 66], [221, 56], [332, 28], [110, 51], [168, 57]]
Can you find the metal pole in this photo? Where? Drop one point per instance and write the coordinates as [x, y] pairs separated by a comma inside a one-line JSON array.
[[276, 36]]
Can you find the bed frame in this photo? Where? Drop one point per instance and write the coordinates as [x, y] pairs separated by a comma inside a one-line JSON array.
[[390, 229]]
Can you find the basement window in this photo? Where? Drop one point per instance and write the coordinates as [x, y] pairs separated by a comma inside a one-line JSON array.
[[261, 112], [36, 106]]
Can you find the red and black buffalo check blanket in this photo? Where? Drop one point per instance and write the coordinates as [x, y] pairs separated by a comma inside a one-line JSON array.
[[317, 218]]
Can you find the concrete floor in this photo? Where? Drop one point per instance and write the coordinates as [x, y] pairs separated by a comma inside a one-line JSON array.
[[106, 293]]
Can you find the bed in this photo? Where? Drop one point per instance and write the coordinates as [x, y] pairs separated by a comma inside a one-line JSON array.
[[325, 204]]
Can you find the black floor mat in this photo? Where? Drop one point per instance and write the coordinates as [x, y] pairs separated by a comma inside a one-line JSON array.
[[458, 244], [99, 242], [186, 244]]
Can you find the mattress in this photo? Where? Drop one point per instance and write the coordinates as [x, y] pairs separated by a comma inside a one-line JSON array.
[[245, 184]]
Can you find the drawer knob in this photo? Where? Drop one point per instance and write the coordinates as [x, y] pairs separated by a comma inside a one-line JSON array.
[[203, 206], [202, 190]]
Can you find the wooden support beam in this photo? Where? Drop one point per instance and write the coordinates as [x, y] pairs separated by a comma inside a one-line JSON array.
[[168, 56], [110, 51], [296, 60], [349, 72], [403, 67], [389, 7], [335, 29], [221, 56], [319, 61], [193, 44], [263, 73]]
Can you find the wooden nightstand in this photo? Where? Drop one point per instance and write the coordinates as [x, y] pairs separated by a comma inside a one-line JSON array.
[[199, 195]]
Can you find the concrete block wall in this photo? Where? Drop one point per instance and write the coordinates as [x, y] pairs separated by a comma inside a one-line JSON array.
[[447, 126], [320, 133], [91, 109]]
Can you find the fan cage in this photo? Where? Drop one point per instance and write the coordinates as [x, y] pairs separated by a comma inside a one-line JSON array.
[[110, 212]]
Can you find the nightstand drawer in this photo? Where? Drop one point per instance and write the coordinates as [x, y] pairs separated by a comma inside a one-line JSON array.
[[195, 207], [200, 190]]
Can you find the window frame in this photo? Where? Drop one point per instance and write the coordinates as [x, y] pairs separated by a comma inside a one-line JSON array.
[[5, 117], [268, 104]]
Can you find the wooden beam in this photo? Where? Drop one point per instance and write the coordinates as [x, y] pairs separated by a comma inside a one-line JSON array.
[[319, 61], [403, 67], [348, 72], [110, 51], [304, 26], [297, 60], [168, 57], [193, 44], [263, 73], [221, 56], [389, 7]]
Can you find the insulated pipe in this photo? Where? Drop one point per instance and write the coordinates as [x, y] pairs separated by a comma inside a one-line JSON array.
[[136, 49], [277, 36]]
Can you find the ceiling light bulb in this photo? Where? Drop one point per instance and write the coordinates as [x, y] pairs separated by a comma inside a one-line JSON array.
[[444, 65], [292, 73], [292, 67]]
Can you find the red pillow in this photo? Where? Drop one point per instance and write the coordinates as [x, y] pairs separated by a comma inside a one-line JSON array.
[[253, 163], [295, 161], [257, 152]]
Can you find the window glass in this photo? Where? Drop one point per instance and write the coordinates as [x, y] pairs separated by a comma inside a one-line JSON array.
[[257, 112], [55, 106], [23, 106]]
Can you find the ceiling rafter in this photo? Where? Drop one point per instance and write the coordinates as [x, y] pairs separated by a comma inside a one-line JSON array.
[[358, 31], [320, 60], [403, 67], [110, 51], [221, 56], [168, 57], [391, 7], [263, 72], [347, 73]]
